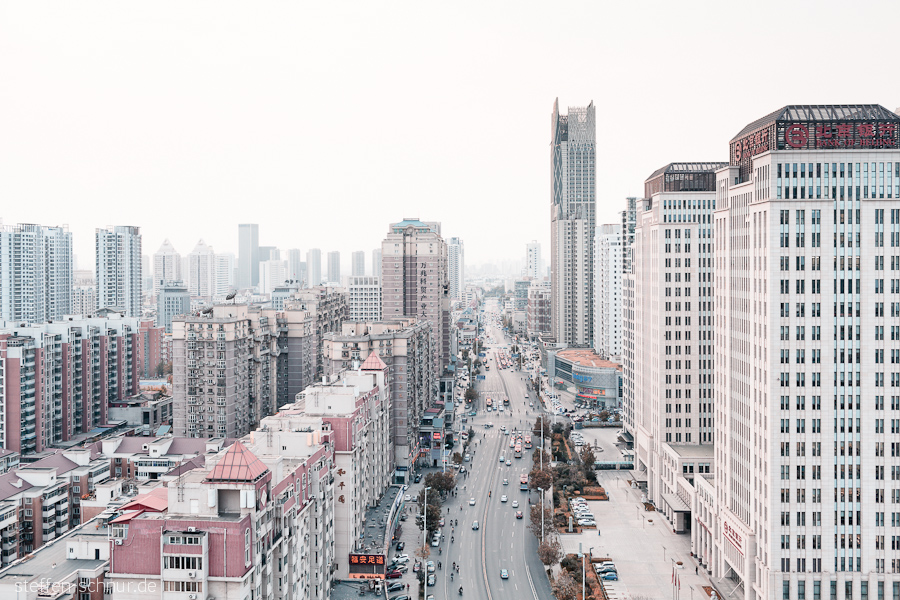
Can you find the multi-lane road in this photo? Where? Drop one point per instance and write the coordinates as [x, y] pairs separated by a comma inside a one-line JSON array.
[[501, 541]]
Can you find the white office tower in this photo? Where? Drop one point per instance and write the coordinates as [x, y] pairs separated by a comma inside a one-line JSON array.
[[118, 268], [573, 217], [314, 267], [358, 264], [36, 273], [364, 299], [670, 369], [272, 274], [224, 275], [456, 262], [608, 292], [807, 348], [166, 265], [376, 262], [334, 268], [248, 255], [201, 275], [533, 260]]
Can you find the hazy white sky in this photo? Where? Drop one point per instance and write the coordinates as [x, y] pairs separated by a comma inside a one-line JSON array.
[[323, 122]]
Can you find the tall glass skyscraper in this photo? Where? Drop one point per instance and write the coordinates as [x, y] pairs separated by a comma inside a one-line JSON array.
[[573, 219]]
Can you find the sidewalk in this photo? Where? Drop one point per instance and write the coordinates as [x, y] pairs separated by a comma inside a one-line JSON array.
[[640, 543]]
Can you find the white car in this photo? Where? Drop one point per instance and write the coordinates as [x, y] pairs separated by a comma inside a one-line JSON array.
[[503, 498], [515, 504], [401, 558], [471, 501], [587, 522]]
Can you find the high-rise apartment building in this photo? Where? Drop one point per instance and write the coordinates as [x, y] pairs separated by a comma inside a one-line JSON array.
[[334, 268], [58, 379], [314, 267], [224, 371], [572, 223], [201, 275], [364, 299], [538, 309], [533, 261], [118, 269], [406, 346], [415, 282], [328, 305], [224, 274], [85, 300], [376, 262], [172, 300], [608, 292], [669, 373], [358, 264], [167, 265], [36, 273], [456, 267], [248, 255]]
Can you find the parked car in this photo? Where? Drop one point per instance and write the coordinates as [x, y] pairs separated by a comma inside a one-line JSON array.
[[429, 566], [396, 587], [400, 598], [431, 579], [609, 577], [393, 575], [417, 478], [401, 546], [401, 558]]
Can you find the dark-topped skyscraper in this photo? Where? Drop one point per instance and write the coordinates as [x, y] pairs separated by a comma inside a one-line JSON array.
[[572, 221]]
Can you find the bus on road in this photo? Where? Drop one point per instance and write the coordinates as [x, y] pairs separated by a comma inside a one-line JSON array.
[[528, 441], [489, 403], [518, 450], [523, 483]]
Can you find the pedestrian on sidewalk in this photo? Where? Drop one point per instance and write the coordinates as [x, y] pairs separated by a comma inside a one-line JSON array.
[[696, 570]]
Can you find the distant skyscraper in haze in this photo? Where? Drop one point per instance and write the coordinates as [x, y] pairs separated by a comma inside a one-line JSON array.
[[173, 300], [358, 264], [376, 262], [533, 260], [202, 271], [334, 267], [415, 282], [119, 269], [294, 260], [573, 218], [456, 263], [269, 253], [37, 273], [224, 275], [314, 267], [166, 265], [248, 255]]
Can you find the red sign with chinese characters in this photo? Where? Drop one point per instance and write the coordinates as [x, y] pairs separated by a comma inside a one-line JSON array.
[[733, 536], [367, 559], [750, 145], [840, 135]]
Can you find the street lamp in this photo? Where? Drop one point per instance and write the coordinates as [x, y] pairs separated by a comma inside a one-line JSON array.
[[541, 490], [425, 523], [582, 570]]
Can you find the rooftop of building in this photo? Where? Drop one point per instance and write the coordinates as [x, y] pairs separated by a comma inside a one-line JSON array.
[[50, 564], [238, 465], [693, 450], [687, 167], [586, 357], [376, 538], [823, 113]]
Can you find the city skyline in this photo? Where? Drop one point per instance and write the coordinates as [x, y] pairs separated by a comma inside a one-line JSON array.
[[194, 149]]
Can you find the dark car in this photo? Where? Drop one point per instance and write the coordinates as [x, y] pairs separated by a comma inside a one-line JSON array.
[[417, 478], [400, 598], [393, 575], [396, 587], [400, 546]]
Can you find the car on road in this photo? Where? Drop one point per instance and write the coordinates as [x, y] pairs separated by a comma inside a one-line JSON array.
[[429, 597], [407, 497], [612, 576], [503, 498], [417, 478], [393, 575], [472, 413], [518, 514], [504, 574], [463, 470], [474, 525], [515, 504], [401, 558], [506, 482], [508, 463], [429, 566], [401, 546], [431, 579], [503, 428], [502, 458], [396, 587], [471, 501], [441, 522]]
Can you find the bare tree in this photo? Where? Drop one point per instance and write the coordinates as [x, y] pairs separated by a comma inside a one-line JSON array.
[[550, 551], [535, 525], [566, 588]]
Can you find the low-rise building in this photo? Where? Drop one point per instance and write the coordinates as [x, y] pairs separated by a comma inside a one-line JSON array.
[[598, 381], [145, 412]]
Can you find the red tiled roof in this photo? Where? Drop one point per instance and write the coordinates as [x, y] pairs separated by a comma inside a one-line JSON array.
[[239, 465], [156, 500], [373, 363]]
